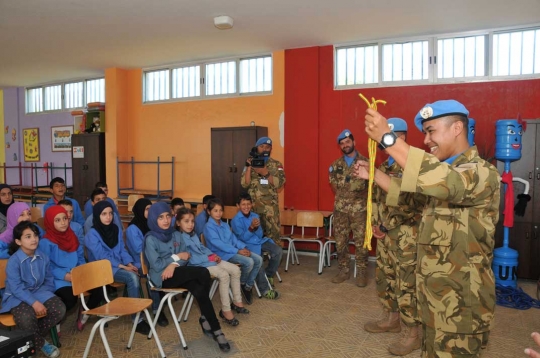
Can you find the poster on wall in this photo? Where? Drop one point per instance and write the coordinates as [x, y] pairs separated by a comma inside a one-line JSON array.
[[61, 138], [31, 144]]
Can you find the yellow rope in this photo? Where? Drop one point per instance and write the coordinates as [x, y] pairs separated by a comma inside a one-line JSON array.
[[372, 149]]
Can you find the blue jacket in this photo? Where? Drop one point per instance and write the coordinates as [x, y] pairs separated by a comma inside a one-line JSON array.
[[161, 254], [135, 243], [89, 223], [61, 262], [78, 230], [29, 279], [221, 240], [253, 240], [88, 207], [199, 253], [98, 250], [77, 214], [200, 222]]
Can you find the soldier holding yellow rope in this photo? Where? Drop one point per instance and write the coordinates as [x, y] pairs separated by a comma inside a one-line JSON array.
[[455, 282]]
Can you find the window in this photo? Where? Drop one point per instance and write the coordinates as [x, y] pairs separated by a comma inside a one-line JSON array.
[[64, 95], [461, 57], [406, 61], [186, 82], [482, 55], [357, 65], [209, 79], [516, 53], [256, 74]]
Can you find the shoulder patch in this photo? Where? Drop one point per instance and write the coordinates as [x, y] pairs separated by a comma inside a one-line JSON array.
[[331, 169]]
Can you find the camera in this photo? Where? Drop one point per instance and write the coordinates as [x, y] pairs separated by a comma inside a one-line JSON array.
[[258, 159]]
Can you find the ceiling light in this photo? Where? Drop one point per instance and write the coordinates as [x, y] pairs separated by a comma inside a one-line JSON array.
[[223, 22]]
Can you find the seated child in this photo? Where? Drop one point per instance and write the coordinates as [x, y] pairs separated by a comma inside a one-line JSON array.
[[75, 226], [202, 218], [17, 212], [246, 225], [97, 196], [58, 190], [88, 205], [30, 288], [228, 274]]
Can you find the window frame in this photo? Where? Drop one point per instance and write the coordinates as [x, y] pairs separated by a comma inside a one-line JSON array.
[[202, 80], [433, 53]]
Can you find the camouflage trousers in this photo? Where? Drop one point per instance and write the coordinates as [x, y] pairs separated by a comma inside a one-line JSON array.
[[269, 221], [395, 275], [439, 344], [344, 223]]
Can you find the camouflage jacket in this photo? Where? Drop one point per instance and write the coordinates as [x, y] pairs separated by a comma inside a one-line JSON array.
[[267, 193], [456, 286], [351, 192], [408, 210]]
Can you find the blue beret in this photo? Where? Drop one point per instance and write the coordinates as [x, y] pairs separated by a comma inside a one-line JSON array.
[[263, 140], [397, 124], [444, 108], [345, 134]]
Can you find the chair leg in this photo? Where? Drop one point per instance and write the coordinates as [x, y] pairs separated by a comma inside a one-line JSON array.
[[176, 324], [133, 329], [213, 288], [99, 324], [321, 257], [278, 277], [188, 308], [54, 337], [149, 319], [184, 306], [257, 289], [289, 248], [160, 307], [296, 255]]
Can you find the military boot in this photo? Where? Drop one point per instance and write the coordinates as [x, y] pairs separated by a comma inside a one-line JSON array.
[[342, 276], [408, 344], [388, 324], [361, 276]]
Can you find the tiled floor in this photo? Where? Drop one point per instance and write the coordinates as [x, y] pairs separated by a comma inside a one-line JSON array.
[[314, 318]]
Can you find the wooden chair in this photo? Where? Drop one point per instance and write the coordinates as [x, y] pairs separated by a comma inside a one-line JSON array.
[[310, 219], [288, 218], [187, 205], [41, 223], [7, 320], [169, 294], [99, 274], [36, 213], [200, 208], [229, 212], [132, 199]]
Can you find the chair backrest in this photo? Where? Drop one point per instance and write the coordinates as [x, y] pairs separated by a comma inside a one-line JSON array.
[[132, 199], [330, 225], [41, 223], [203, 240], [91, 275], [3, 265], [187, 205], [287, 218], [310, 219], [200, 208], [144, 267], [229, 212], [36, 213]]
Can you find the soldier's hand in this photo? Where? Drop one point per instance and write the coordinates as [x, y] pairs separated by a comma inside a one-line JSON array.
[[531, 352], [361, 169], [377, 233], [376, 125]]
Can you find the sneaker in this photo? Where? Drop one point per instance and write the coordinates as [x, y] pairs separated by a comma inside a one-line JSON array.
[[162, 320], [143, 328], [271, 295], [247, 294], [50, 350]]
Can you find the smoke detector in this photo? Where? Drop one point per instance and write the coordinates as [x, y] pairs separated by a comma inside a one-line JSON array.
[[223, 22]]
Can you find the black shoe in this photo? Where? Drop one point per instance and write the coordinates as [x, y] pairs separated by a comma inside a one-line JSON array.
[[143, 328], [239, 309], [224, 347], [233, 322], [207, 332], [162, 320], [247, 294]]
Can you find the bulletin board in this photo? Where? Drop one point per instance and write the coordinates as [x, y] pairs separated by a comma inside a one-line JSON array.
[[31, 144]]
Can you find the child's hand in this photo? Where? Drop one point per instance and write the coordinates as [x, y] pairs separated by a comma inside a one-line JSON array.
[[168, 272], [255, 223], [39, 308], [218, 259], [184, 256], [133, 268], [67, 277]]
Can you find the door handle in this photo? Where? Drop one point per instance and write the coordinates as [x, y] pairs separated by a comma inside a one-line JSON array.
[[527, 235], [236, 169], [530, 175], [535, 236], [230, 169]]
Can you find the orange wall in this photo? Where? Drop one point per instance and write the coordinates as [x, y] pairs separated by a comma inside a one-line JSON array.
[[180, 129]]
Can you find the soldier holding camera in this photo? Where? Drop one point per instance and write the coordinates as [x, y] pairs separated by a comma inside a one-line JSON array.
[[263, 177]]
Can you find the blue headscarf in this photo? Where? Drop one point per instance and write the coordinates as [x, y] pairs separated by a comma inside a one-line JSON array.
[[163, 235]]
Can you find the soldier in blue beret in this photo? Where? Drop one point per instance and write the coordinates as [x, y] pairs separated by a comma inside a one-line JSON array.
[[455, 282], [349, 209]]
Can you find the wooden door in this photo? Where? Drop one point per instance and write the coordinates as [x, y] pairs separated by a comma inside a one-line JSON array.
[[222, 163], [90, 169]]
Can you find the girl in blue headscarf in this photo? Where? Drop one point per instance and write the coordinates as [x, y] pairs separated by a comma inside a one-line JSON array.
[[167, 256]]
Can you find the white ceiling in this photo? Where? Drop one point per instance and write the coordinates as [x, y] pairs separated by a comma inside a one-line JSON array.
[[43, 41]]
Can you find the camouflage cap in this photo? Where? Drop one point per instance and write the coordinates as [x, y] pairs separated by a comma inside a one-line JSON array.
[[443, 108]]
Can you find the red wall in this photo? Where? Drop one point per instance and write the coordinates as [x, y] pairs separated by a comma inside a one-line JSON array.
[[315, 114]]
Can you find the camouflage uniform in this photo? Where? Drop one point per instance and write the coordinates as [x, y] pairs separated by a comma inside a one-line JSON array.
[[455, 283], [265, 198], [349, 211], [396, 252]]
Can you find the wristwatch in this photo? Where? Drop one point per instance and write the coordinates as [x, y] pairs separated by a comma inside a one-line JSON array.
[[388, 140]]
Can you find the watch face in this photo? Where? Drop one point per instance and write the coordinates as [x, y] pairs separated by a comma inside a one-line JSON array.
[[388, 139]]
